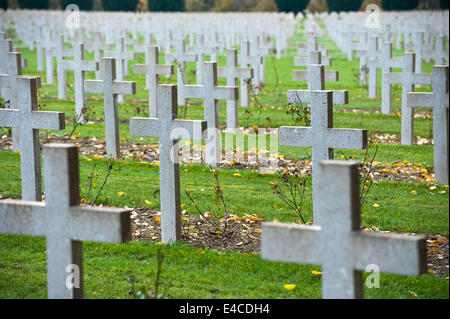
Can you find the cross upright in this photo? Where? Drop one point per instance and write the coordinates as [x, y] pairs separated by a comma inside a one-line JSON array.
[[386, 63], [63, 221], [316, 76], [418, 48], [152, 70], [50, 54], [79, 66], [210, 92], [438, 101], [314, 57], [6, 46], [168, 129], [407, 78], [96, 44], [245, 59], [121, 55], [110, 87], [364, 55], [29, 121], [181, 57], [321, 136], [231, 72], [337, 243], [201, 49], [440, 53], [61, 53]]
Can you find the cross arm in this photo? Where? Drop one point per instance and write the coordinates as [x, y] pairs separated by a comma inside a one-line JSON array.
[[19, 217], [295, 136], [94, 86], [140, 126], [393, 253], [48, 120], [194, 91], [100, 224], [290, 243], [164, 69], [299, 97], [89, 66], [243, 73], [300, 75], [340, 97], [300, 61], [9, 118], [393, 78], [4, 80], [124, 87], [347, 138], [189, 126], [415, 99], [226, 93]]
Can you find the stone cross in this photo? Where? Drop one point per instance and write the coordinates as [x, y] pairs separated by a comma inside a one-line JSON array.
[[61, 53], [440, 53], [6, 46], [181, 57], [168, 129], [29, 121], [316, 77], [201, 49], [314, 57], [418, 48], [110, 87], [321, 136], [337, 243], [386, 63], [121, 55], [438, 100], [364, 55], [63, 221], [211, 93], [245, 60], [96, 44], [231, 72], [50, 54], [310, 46], [407, 78], [152, 70], [78, 65]]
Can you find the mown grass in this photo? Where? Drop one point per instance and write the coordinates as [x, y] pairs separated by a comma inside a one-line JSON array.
[[189, 272]]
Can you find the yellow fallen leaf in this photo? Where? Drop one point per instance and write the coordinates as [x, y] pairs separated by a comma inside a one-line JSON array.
[[315, 272], [120, 194], [97, 157], [237, 174], [148, 202], [157, 219], [376, 205], [412, 293], [289, 287], [413, 192]]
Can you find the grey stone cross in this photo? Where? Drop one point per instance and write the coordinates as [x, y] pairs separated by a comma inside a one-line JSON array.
[[29, 121], [316, 76], [407, 78], [438, 101], [314, 57], [201, 49], [337, 243], [63, 222], [245, 59], [97, 45], [181, 57], [210, 92], [231, 72], [152, 70], [321, 136], [78, 65], [110, 87], [168, 129], [61, 53]]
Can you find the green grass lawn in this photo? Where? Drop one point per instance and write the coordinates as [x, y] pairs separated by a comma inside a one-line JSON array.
[[189, 272]]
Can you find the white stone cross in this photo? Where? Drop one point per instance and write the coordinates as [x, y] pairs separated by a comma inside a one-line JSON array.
[[61, 53], [168, 129], [181, 57], [407, 78], [152, 70], [386, 63], [78, 65], [364, 55], [314, 57], [29, 121], [63, 222], [231, 72], [121, 55], [438, 100], [418, 48], [96, 44], [337, 243], [211, 93], [201, 49], [440, 53], [110, 87], [245, 59], [310, 46], [316, 76], [321, 136]]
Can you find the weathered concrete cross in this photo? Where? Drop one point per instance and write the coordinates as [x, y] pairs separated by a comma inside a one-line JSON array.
[[321, 136], [407, 78], [168, 129], [110, 88], [181, 57], [211, 93], [29, 121], [337, 243], [63, 222], [152, 70], [78, 65], [438, 100], [232, 73]]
